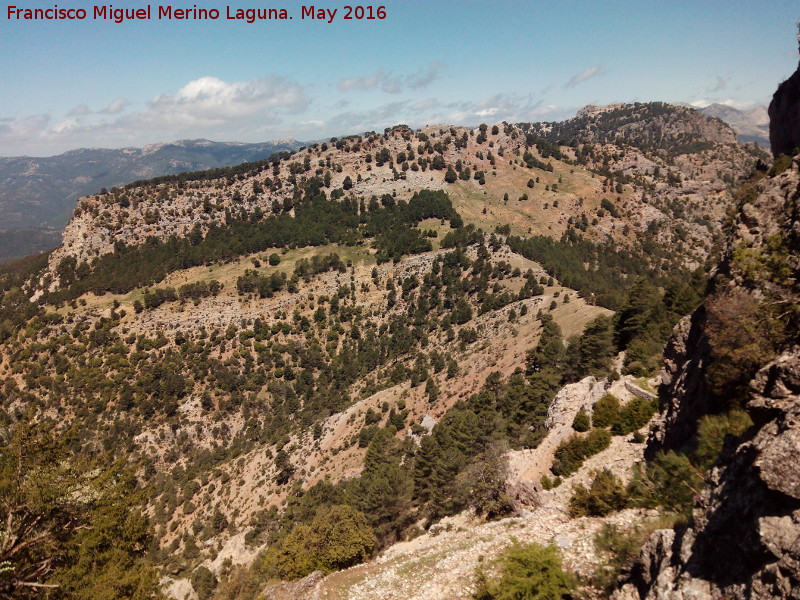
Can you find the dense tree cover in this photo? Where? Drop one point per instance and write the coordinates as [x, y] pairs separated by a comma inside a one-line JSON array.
[[265, 285], [649, 302], [71, 529], [645, 320], [600, 272], [317, 221], [16, 309], [534, 163]]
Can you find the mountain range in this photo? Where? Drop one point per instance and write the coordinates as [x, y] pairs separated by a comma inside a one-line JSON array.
[[402, 364], [37, 195]]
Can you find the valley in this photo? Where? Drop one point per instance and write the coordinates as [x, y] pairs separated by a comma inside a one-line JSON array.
[[423, 347]]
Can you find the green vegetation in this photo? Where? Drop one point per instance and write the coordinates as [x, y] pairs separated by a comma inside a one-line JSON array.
[[581, 421], [608, 127], [605, 495], [269, 383], [605, 411], [317, 221], [571, 453], [600, 271], [526, 572], [622, 546], [338, 537], [634, 415], [71, 528], [673, 479]]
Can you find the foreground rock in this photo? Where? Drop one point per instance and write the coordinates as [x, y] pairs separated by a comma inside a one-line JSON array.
[[784, 116], [745, 541]]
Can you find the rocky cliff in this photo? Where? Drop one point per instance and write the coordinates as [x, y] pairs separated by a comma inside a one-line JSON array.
[[744, 539], [784, 116]]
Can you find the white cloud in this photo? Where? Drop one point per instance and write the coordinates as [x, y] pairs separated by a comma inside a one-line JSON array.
[[116, 107], [212, 100], [66, 126], [584, 76], [205, 107], [425, 104], [80, 110], [361, 83], [425, 76], [16, 132], [393, 84], [738, 104]]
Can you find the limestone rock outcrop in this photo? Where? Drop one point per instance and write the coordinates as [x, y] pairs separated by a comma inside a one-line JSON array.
[[745, 539]]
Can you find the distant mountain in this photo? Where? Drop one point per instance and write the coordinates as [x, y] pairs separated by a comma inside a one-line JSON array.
[[41, 192], [37, 195], [750, 125], [16, 243]]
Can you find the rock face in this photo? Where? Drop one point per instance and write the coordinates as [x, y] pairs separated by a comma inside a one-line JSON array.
[[685, 357], [745, 541], [784, 116]]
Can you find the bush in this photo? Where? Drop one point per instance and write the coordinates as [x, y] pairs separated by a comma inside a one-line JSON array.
[[337, 538], [605, 411], [203, 582], [711, 433], [669, 480], [527, 572], [621, 548], [606, 495], [635, 415], [581, 421], [571, 453]]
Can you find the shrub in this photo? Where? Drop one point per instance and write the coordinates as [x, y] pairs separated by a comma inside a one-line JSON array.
[[711, 433], [621, 548], [203, 582], [669, 480], [571, 453], [634, 416], [605, 411], [527, 572], [581, 421], [337, 538], [606, 495]]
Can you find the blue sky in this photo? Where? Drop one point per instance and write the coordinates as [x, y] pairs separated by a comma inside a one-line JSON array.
[[71, 84]]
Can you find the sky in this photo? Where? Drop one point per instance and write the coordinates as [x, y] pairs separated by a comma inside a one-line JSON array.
[[67, 84]]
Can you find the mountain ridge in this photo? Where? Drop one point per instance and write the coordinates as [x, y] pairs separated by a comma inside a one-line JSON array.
[[373, 327]]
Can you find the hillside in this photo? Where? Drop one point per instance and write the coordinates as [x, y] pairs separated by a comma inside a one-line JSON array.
[[38, 194], [393, 331]]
